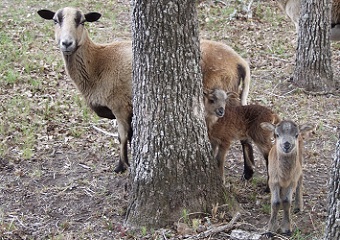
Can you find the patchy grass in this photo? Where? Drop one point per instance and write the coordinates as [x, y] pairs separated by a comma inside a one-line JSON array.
[[57, 179]]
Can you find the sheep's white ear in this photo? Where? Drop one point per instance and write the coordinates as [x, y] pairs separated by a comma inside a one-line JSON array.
[[92, 16], [268, 126], [305, 130], [46, 14]]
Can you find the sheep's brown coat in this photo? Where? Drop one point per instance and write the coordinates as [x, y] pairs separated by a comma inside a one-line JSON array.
[[223, 68], [285, 170], [102, 72]]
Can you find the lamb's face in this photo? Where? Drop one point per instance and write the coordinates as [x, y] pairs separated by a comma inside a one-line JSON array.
[[214, 102], [286, 134], [69, 29]]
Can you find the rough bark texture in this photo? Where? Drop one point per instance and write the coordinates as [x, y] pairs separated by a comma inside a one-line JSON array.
[[172, 166], [313, 70], [333, 221]]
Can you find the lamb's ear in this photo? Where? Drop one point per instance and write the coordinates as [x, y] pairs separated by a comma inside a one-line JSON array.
[[306, 130], [92, 16], [46, 14], [268, 126], [206, 92]]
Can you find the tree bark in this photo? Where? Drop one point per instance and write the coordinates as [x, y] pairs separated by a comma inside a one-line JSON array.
[[333, 222], [172, 167], [313, 69]]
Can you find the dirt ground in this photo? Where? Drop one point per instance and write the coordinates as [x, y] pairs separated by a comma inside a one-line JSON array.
[[68, 190]]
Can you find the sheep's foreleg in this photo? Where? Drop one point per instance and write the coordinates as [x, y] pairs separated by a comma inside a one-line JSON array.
[[220, 157], [275, 206], [123, 131], [286, 196]]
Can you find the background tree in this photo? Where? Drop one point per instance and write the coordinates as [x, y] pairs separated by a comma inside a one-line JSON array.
[[172, 166], [333, 221], [313, 69]]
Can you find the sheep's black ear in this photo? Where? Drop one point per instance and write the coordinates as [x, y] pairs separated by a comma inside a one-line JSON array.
[[46, 14], [92, 16]]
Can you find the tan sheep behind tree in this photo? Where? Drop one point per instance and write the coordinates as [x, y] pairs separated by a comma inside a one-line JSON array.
[[103, 72]]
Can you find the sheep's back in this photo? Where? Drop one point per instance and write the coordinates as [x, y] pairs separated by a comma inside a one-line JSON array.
[[221, 66]]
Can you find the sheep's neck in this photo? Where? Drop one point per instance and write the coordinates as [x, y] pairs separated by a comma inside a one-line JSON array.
[[78, 65], [287, 165]]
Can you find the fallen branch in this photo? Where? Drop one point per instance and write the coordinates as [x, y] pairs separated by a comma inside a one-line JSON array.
[[215, 230]]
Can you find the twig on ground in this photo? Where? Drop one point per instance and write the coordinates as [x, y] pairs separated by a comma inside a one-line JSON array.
[[215, 230], [115, 135]]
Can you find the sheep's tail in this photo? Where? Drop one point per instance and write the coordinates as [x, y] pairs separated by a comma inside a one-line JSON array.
[[245, 85]]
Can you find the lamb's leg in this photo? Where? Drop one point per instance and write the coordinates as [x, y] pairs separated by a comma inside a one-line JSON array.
[[220, 157], [275, 206], [298, 204], [248, 159], [286, 196]]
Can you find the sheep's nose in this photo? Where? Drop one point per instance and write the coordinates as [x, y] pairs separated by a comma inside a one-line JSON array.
[[66, 43], [220, 112], [286, 146]]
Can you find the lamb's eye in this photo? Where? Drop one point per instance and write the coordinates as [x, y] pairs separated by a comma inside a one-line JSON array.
[[211, 101], [276, 135], [82, 22]]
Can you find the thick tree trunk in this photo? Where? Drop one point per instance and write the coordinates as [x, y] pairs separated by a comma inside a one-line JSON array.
[[313, 70], [333, 221], [172, 166]]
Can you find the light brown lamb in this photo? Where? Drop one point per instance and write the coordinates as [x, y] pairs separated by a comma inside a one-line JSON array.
[[285, 171], [103, 72]]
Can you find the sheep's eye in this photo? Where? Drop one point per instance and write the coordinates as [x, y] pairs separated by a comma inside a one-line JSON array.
[[211, 101], [55, 21], [82, 22], [276, 135]]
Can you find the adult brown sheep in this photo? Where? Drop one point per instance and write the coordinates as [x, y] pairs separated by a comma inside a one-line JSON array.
[[102, 72]]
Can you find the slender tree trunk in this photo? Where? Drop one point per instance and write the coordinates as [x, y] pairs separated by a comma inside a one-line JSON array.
[[333, 222], [313, 70], [172, 167]]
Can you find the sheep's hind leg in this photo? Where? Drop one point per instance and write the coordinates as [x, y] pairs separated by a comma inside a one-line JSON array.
[[248, 159]]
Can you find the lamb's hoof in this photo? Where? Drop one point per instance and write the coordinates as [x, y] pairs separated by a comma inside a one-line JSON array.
[[268, 234], [120, 168], [248, 174], [287, 233], [296, 210], [267, 190]]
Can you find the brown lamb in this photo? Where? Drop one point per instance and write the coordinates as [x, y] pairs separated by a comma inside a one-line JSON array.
[[237, 123]]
